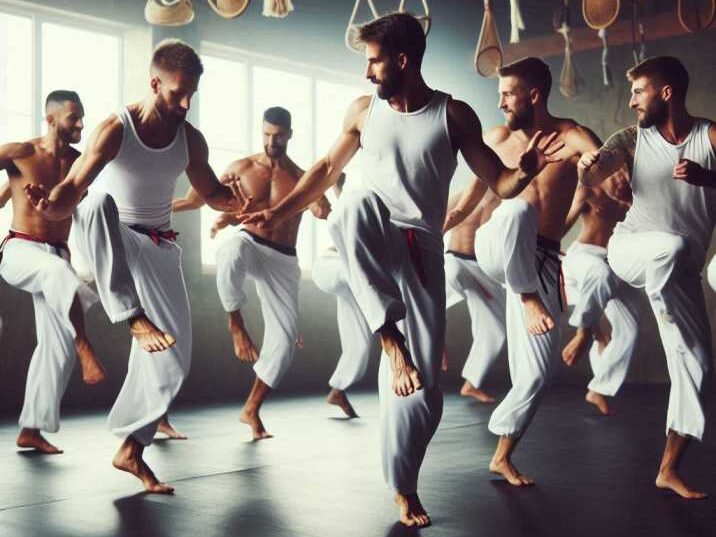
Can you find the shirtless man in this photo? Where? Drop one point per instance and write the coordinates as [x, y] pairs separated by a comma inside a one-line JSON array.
[[35, 258], [389, 235], [267, 256], [519, 246], [136, 157], [485, 298], [661, 246], [595, 291]]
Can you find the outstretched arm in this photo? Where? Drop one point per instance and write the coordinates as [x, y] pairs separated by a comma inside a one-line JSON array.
[[460, 206], [322, 175], [190, 201], [466, 133]]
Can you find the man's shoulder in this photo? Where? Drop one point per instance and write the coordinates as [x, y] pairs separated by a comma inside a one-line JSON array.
[[20, 150]]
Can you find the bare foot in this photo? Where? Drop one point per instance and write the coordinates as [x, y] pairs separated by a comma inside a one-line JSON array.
[[129, 459], [339, 398], [673, 481], [31, 438], [577, 346], [412, 512], [149, 337], [468, 390], [253, 420], [92, 370], [166, 428], [244, 347], [598, 400], [539, 321], [506, 469], [406, 379]]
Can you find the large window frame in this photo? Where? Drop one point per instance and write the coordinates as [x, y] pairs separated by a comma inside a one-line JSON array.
[[315, 75]]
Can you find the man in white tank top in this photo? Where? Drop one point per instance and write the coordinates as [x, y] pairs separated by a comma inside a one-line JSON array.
[[596, 292], [136, 157], [661, 246], [266, 256], [389, 235]]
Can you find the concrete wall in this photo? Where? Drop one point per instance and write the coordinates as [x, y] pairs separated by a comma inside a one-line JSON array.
[[313, 34]]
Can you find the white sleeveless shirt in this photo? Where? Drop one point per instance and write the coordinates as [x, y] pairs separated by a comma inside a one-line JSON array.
[[142, 179], [662, 203], [408, 161]]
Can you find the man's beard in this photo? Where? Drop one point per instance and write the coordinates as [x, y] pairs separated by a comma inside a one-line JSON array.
[[656, 115], [274, 152], [165, 111], [521, 120], [390, 86]]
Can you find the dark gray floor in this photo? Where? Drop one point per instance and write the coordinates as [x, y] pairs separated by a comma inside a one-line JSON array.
[[321, 476]]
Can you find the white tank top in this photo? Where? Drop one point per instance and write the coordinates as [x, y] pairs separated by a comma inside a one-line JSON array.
[[142, 179], [662, 203], [408, 161]]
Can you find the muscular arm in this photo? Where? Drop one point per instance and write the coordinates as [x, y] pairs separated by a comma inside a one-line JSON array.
[[579, 204], [202, 178], [466, 133], [462, 204], [325, 173], [190, 201], [595, 166]]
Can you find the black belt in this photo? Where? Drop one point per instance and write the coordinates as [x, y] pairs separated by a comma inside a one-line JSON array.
[[281, 248], [57, 245], [461, 255]]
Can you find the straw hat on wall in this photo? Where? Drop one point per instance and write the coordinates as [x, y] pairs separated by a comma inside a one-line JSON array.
[[229, 9], [169, 12]]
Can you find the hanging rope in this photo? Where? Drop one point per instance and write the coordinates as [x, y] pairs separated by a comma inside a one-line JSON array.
[[352, 30]]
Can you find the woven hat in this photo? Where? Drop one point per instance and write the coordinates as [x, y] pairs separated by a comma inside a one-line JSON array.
[[229, 9], [169, 12]]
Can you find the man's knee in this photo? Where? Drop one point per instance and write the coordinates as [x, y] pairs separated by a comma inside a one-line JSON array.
[[671, 248], [98, 203]]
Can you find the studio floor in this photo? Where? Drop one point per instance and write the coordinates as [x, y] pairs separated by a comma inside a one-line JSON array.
[[320, 476]]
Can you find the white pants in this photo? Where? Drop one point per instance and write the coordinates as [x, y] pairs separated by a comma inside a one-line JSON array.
[[712, 273], [96, 222], [153, 379], [353, 331], [277, 276], [485, 300], [388, 286], [508, 251], [657, 262], [593, 289], [45, 272]]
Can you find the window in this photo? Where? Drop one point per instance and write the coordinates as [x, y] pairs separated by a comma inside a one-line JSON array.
[[42, 50], [231, 123]]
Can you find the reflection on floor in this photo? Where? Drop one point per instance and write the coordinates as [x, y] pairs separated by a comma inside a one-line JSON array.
[[320, 476]]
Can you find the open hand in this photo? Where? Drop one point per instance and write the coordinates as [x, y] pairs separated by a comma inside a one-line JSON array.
[[689, 171], [540, 151], [38, 196]]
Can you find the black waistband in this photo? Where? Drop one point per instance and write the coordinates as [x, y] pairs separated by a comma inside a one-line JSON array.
[[281, 248], [549, 244], [461, 255]]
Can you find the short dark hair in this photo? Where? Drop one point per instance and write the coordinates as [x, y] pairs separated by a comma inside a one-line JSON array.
[[533, 71], [278, 116], [61, 97], [173, 55], [665, 71], [396, 33]]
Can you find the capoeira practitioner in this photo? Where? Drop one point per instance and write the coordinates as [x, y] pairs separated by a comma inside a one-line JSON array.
[[353, 331], [267, 256], [136, 157], [485, 299], [596, 292], [34, 257], [389, 234], [519, 247], [661, 245]]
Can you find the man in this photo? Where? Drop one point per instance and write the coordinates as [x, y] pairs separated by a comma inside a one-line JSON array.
[[389, 234], [485, 299], [519, 247], [267, 256], [353, 330], [661, 246], [34, 257], [136, 157], [594, 290]]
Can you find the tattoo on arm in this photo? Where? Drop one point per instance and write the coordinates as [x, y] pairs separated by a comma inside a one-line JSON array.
[[621, 146]]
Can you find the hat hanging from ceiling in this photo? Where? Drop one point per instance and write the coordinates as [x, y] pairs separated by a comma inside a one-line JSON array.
[[277, 8], [229, 9], [169, 12], [424, 19]]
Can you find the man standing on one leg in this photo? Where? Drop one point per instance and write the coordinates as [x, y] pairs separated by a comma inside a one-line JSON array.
[[267, 256], [136, 157], [519, 246], [661, 246], [34, 257], [485, 299], [389, 235], [595, 290]]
